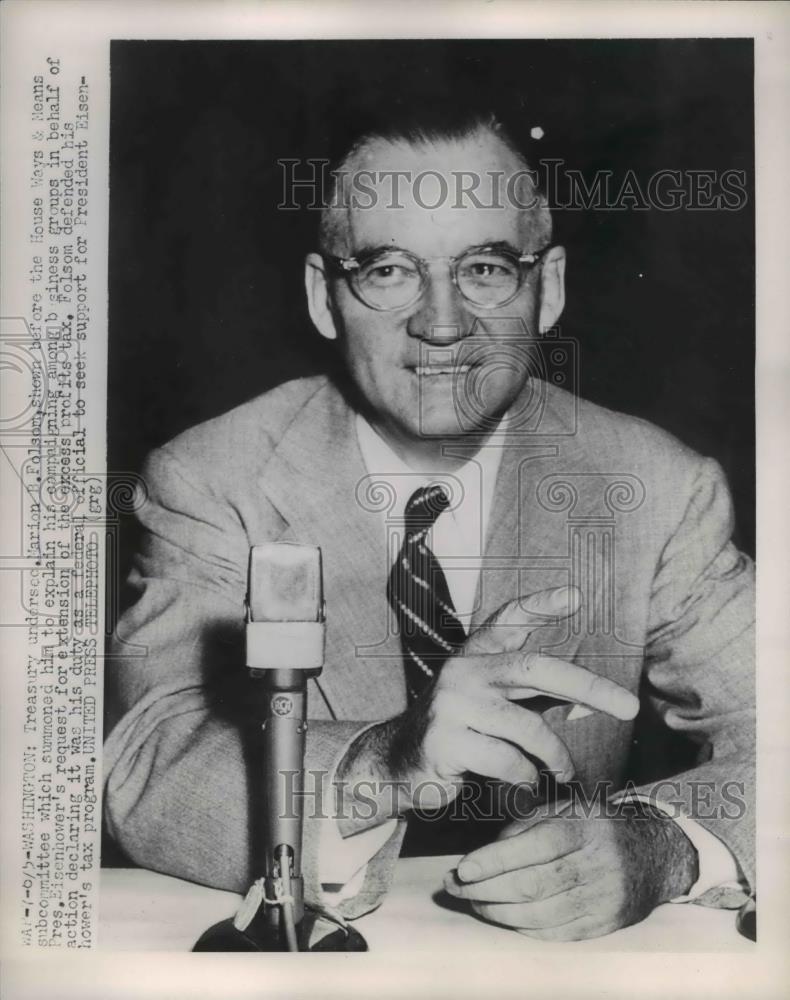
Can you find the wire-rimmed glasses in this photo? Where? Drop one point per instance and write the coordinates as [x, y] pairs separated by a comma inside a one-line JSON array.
[[385, 279]]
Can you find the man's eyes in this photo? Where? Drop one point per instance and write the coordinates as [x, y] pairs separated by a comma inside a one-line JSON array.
[[389, 271], [489, 270], [482, 270], [486, 270]]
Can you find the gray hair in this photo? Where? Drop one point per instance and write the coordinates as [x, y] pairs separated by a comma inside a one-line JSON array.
[[423, 133]]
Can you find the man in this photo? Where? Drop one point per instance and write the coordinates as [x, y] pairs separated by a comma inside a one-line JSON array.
[[487, 538]]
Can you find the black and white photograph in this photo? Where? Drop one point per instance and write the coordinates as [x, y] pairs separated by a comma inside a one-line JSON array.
[[489, 299], [411, 607]]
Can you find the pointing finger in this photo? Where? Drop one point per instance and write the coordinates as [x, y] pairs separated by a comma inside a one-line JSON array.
[[520, 672]]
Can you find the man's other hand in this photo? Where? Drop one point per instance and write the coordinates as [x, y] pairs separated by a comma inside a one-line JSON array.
[[567, 878]]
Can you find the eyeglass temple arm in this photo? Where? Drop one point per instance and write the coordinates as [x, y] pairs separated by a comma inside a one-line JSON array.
[[531, 258]]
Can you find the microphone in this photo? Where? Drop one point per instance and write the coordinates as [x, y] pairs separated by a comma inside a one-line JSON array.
[[285, 634], [284, 646]]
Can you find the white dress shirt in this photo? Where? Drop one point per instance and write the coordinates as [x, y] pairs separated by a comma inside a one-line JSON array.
[[457, 539], [458, 535]]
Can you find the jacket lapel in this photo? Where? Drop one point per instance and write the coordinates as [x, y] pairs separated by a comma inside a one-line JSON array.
[[523, 551], [318, 482], [528, 549]]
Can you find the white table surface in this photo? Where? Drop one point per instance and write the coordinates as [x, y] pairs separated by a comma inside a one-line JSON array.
[[145, 911]]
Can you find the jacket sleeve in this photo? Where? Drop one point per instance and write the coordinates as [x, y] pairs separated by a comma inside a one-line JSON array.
[[699, 667], [179, 777]]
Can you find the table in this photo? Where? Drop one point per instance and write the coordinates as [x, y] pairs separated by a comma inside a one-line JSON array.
[[145, 911]]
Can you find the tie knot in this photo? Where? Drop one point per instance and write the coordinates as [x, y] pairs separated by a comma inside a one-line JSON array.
[[424, 506]]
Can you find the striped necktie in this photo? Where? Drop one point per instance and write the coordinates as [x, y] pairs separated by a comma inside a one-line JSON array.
[[430, 633], [418, 593]]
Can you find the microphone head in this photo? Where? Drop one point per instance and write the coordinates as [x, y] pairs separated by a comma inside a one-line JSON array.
[[285, 583]]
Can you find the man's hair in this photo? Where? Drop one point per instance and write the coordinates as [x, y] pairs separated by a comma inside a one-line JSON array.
[[419, 118]]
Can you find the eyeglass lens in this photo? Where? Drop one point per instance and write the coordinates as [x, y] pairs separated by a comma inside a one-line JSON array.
[[393, 280]]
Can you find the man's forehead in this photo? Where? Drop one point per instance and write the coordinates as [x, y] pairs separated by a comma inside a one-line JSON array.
[[432, 197]]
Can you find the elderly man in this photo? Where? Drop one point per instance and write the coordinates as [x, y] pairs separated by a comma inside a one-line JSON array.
[[490, 541]]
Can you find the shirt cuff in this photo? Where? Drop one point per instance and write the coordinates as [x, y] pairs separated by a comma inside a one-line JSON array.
[[716, 864], [343, 861]]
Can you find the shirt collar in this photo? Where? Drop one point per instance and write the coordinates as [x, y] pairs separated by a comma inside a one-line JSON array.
[[476, 476]]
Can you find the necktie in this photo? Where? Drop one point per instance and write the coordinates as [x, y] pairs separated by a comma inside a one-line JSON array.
[[418, 593], [430, 633]]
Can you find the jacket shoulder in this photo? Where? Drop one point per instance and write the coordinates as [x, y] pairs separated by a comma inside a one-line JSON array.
[[240, 441], [609, 435], [617, 447]]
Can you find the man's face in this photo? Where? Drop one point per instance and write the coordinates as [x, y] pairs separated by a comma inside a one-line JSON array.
[[441, 367]]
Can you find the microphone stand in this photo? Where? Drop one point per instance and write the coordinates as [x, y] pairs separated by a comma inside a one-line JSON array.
[[285, 625]]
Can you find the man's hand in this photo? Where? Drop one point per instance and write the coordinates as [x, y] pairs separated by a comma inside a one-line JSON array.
[[467, 720], [567, 878]]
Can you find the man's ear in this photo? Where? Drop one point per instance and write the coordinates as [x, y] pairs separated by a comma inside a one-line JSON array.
[[318, 301], [552, 288]]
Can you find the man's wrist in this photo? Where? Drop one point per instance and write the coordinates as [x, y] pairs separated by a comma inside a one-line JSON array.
[[368, 791], [675, 863]]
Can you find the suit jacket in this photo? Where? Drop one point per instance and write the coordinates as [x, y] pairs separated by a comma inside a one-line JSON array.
[[583, 495]]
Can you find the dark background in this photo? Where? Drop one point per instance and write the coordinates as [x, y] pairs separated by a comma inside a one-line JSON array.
[[206, 301]]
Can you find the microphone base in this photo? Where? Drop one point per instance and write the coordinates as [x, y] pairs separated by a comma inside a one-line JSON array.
[[226, 937]]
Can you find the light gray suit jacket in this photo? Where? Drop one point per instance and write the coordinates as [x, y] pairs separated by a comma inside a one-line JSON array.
[[583, 495]]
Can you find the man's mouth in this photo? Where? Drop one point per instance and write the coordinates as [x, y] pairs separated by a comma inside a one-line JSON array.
[[430, 370]]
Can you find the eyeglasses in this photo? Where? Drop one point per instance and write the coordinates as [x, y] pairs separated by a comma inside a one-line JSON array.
[[486, 276]]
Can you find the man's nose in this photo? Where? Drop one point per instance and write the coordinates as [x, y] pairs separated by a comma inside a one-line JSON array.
[[441, 316]]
